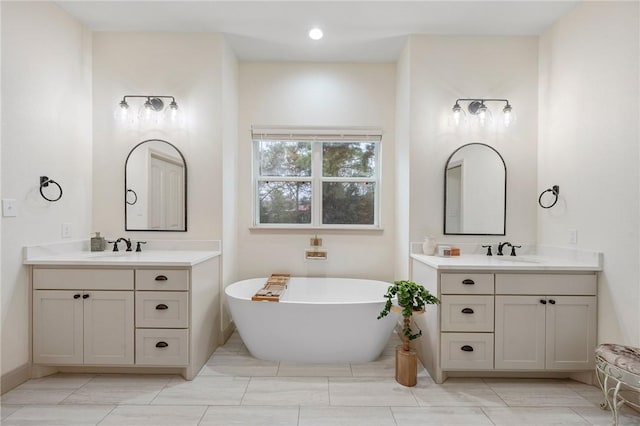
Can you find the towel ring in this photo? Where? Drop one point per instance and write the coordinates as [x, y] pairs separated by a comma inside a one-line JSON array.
[[555, 190], [44, 182], [135, 200]]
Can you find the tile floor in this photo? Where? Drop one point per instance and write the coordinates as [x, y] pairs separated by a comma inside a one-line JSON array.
[[237, 389]]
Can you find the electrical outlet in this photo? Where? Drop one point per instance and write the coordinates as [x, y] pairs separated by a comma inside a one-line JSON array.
[[573, 236], [9, 208], [66, 230]]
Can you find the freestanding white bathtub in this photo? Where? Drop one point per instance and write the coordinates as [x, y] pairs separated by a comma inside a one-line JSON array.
[[317, 320]]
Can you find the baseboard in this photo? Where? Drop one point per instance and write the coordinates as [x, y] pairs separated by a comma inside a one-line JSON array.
[[14, 378]]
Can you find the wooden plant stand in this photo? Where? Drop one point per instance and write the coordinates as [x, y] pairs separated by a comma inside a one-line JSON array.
[[406, 359]]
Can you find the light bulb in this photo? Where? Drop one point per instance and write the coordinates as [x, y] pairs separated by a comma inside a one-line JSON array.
[[315, 33]]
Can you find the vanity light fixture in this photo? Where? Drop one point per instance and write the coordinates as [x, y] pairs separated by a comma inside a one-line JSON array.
[[478, 108], [151, 111]]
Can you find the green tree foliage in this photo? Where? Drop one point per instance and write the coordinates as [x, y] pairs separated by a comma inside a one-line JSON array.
[[290, 201]]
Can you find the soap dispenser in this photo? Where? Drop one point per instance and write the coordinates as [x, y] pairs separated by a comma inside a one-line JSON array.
[[98, 243]]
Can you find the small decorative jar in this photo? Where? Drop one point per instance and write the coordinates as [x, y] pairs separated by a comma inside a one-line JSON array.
[[429, 246]]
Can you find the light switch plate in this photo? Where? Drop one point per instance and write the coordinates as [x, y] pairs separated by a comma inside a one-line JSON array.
[[573, 236], [9, 207]]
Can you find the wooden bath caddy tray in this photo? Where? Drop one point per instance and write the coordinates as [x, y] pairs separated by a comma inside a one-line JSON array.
[[273, 289]]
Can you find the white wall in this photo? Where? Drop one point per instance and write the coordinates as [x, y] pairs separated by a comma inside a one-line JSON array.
[[316, 94], [589, 146], [187, 66], [229, 172], [46, 130], [443, 69], [403, 153]]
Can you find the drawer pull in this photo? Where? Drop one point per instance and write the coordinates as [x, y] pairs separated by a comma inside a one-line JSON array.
[[76, 296], [161, 278], [161, 307], [544, 302], [162, 345], [85, 296], [467, 348], [467, 311], [468, 282]]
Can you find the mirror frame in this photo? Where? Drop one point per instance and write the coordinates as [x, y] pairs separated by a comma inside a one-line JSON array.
[[185, 188], [504, 222]]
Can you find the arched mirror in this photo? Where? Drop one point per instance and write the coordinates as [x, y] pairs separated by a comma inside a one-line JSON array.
[[475, 191], [155, 188]]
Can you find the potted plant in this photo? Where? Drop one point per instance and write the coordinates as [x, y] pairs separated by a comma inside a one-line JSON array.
[[412, 298]]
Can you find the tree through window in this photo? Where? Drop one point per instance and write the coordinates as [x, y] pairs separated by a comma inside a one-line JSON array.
[[316, 179]]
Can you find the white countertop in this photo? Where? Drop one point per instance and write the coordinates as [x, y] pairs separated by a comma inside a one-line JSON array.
[[511, 263], [159, 254]]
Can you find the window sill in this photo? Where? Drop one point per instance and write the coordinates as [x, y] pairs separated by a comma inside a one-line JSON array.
[[281, 229]]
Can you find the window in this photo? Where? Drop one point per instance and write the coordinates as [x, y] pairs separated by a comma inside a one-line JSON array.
[[316, 178]]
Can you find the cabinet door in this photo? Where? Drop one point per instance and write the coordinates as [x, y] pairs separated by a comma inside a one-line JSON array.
[[57, 327], [108, 327], [520, 333], [571, 332]]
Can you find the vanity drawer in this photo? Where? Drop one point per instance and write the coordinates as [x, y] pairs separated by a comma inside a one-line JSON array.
[[162, 279], [466, 283], [467, 313], [162, 347], [85, 279], [547, 284], [162, 309], [466, 351]]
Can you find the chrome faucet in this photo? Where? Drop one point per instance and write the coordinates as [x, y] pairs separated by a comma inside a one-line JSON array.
[[501, 246]]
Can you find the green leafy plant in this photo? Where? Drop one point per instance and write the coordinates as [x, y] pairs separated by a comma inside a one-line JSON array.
[[411, 297]]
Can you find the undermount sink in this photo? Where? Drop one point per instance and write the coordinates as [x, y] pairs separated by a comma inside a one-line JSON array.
[[111, 253], [523, 259]]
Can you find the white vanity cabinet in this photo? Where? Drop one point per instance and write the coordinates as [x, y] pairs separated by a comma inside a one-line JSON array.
[[162, 317], [150, 312], [505, 321], [545, 321], [83, 316]]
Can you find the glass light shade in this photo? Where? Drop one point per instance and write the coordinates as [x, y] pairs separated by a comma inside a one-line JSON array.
[[122, 113], [174, 116], [149, 116], [508, 116], [458, 116]]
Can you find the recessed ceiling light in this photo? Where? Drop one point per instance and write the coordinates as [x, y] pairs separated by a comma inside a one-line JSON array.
[[315, 34]]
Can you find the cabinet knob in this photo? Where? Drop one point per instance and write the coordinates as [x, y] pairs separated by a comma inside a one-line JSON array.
[[468, 282], [162, 345], [161, 278], [467, 311], [553, 302], [467, 348], [85, 296], [161, 307], [76, 296], [544, 302]]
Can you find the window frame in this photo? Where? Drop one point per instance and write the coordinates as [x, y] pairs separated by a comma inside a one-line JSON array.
[[317, 137]]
